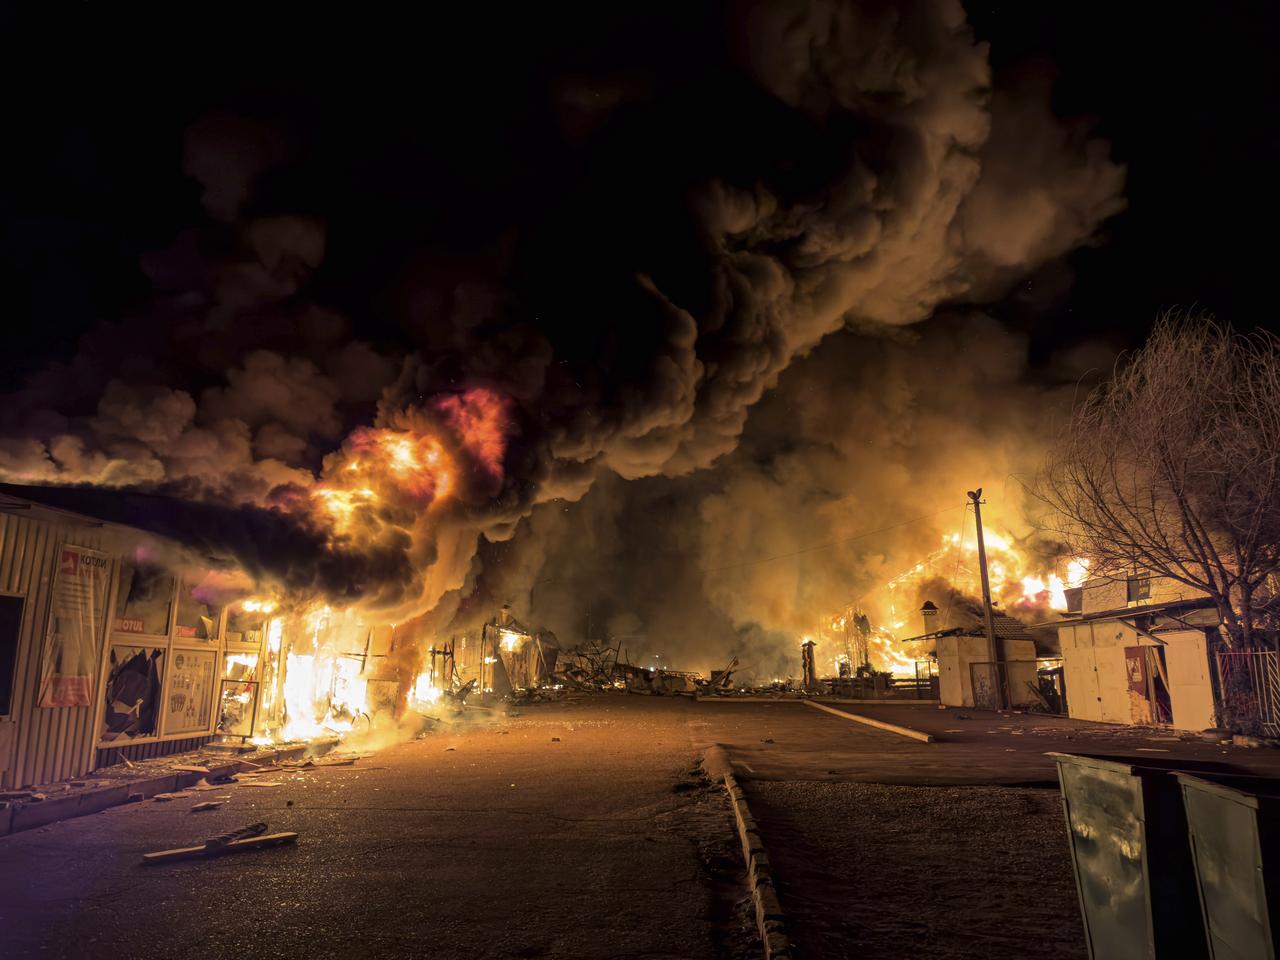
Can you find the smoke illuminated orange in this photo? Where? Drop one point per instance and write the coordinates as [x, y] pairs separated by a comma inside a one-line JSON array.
[[480, 418]]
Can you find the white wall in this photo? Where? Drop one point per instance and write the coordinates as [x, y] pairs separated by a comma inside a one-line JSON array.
[[955, 676], [1098, 686], [955, 686], [1100, 595]]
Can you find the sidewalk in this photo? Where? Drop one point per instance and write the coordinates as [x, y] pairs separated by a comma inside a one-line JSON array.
[[108, 787]]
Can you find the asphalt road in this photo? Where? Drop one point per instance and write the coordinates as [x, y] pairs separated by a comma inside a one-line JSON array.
[[584, 830], [485, 841], [886, 847], [787, 740]]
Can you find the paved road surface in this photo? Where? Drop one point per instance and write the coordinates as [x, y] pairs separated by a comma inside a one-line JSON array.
[[787, 740], [509, 845], [599, 845], [885, 847]]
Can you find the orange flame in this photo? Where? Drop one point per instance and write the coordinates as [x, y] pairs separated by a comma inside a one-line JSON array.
[[415, 464]]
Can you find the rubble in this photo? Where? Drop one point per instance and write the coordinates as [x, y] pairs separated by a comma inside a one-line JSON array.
[[31, 807]]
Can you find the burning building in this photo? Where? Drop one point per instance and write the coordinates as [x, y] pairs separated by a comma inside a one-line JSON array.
[[118, 642], [407, 384]]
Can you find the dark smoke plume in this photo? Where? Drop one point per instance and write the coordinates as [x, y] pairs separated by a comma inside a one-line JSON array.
[[630, 236]]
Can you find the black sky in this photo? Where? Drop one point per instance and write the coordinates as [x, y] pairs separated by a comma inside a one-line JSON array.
[[96, 107], [1186, 94]]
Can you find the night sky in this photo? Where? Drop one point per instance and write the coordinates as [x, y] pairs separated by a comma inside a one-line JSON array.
[[712, 256], [98, 101]]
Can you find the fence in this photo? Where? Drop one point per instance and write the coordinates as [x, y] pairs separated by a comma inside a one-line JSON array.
[[1249, 690]]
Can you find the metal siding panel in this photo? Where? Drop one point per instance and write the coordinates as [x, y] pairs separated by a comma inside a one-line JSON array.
[[18, 546], [53, 744], [50, 744], [34, 738], [109, 756]]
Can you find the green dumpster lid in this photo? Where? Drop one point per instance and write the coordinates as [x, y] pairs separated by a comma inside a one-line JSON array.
[[1133, 765], [1247, 790]]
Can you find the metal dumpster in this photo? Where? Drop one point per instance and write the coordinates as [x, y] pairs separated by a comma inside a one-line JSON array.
[[1134, 871], [1235, 841]]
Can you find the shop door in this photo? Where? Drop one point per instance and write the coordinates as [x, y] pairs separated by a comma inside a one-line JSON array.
[[1148, 683]]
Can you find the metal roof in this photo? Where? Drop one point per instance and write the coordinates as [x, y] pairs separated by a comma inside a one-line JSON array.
[[1119, 613]]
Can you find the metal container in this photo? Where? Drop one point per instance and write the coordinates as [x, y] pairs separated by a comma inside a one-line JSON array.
[[1133, 865], [1235, 840]]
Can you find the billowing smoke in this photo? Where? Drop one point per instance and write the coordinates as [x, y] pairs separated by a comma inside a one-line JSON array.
[[850, 472], [596, 278]]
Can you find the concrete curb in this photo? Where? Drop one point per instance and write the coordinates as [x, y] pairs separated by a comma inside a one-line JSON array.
[[878, 724], [887, 702], [770, 923], [799, 698], [17, 817]]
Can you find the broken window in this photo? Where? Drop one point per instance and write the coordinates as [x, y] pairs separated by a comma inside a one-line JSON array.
[[199, 611], [143, 599], [133, 693], [246, 625], [10, 624]]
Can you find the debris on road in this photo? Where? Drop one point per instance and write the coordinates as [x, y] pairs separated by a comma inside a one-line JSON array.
[[252, 837], [24, 795], [206, 805], [312, 764], [166, 797]]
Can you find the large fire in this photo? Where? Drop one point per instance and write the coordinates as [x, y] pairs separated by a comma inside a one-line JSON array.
[[418, 461], [1020, 582], [318, 670]]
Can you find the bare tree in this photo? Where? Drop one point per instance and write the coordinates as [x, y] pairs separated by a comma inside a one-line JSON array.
[[1172, 466]]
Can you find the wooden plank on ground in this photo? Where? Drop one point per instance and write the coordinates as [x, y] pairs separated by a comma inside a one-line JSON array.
[[878, 724], [236, 846]]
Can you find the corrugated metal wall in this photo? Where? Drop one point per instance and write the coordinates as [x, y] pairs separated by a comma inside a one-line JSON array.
[[108, 756], [44, 744]]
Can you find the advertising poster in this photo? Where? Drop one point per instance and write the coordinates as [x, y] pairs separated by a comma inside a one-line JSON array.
[[76, 612], [190, 691]]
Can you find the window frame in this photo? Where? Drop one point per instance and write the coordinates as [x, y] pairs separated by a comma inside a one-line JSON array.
[[171, 644], [1141, 586], [17, 648]]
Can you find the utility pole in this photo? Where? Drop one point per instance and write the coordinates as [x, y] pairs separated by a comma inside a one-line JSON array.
[[975, 496]]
